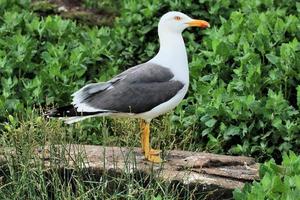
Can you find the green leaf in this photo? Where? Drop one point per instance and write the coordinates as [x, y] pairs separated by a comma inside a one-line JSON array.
[[231, 131], [223, 49], [298, 96], [298, 7], [210, 123], [272, 58], [205, 132]]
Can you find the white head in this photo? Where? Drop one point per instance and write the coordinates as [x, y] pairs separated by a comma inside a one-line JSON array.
[[176, 22], [172, 51]]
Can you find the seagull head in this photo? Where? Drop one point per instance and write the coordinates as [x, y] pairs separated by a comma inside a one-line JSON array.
[[176, 22]]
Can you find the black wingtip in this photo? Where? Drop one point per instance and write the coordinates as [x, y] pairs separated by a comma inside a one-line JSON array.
[[65, 111]]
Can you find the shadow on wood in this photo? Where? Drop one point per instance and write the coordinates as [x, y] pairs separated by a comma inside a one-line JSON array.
[[210, 174]]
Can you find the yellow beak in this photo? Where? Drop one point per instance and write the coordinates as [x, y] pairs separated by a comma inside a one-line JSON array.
[[199, 23]]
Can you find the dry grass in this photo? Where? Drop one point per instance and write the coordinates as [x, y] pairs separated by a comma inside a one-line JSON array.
[[24, 176]]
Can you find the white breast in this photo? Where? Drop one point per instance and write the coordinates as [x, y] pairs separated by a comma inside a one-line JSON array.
[[172, 54], [164, 107]]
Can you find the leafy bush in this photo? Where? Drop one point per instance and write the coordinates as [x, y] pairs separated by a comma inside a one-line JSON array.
[[244, 96], [44, 59], [277, 181], [250, 69]]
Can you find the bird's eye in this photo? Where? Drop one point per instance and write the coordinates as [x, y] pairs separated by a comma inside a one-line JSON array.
[[177, 18]]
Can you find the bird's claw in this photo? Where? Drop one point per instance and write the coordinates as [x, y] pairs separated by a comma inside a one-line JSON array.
[[154, 159], [153, 156], [154, 152]]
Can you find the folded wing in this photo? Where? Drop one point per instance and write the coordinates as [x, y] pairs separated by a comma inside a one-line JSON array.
[[136, 90]]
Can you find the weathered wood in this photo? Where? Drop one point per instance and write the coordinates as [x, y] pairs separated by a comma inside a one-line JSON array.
[[218, 174]]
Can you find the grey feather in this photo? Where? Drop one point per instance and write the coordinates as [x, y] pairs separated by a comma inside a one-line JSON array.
[[136, 90]]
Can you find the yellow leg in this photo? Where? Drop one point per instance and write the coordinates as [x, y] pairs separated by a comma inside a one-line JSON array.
[[150, 154], [142, 135]]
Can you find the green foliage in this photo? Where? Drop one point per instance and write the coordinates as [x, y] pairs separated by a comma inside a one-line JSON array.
[[103, 5], [250, 69], [244, 72], [277, 181], [42, 60], [244, 95], [244, 92]]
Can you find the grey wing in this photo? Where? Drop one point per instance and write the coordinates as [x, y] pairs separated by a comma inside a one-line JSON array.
[[82, 94], [134, 91]]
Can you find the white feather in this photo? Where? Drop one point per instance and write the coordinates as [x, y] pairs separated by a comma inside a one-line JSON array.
[[84, 107], [78, 98], [70, 120]]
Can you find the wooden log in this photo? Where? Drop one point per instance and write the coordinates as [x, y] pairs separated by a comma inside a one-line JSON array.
[[216, 174]]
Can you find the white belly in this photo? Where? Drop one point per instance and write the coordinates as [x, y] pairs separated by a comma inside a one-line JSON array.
[[164, 107]]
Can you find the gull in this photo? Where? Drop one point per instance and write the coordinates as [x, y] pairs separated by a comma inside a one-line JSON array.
[[144, 91]]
